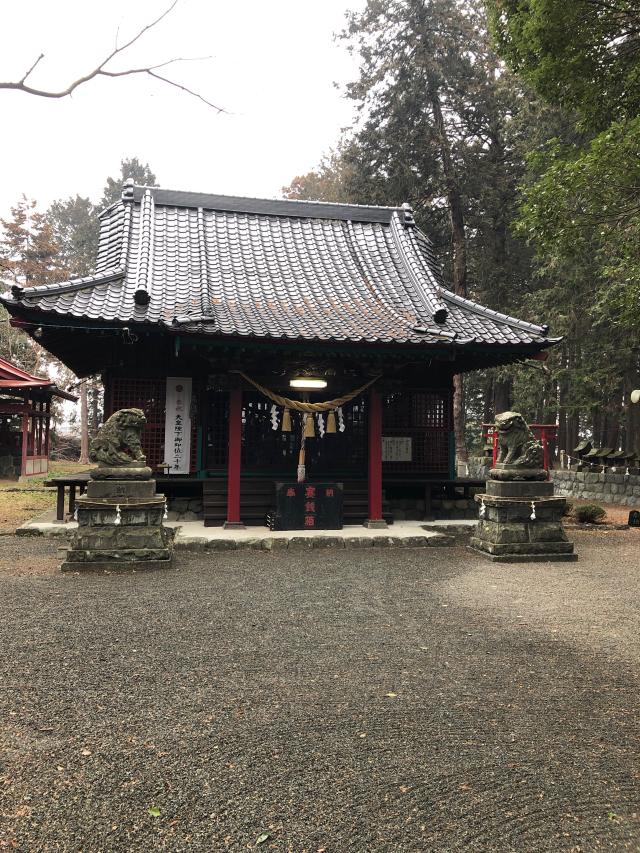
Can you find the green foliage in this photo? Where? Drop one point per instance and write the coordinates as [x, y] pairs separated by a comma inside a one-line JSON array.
[[588, 513], [75, 225], [28, 257], [584, 205], [583, 55], [129, 168]]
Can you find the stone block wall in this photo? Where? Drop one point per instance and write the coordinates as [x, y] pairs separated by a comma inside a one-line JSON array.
[[185, 509], [403, 509], [479, 467], [605, 487], [410, 509]]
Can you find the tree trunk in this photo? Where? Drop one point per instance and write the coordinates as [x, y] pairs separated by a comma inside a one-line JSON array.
[[488, 412], [459, 251], [502, 395], [613, 421], [84, 424], [95, 399]]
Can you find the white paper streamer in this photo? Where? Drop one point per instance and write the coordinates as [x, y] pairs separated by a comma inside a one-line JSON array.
[[274, 417], [533, 511], [321, 424], [340, 420], [165, 515], [483, 509], [118, 516]]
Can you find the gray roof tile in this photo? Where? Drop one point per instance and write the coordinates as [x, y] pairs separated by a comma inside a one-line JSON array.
[[280, 269]]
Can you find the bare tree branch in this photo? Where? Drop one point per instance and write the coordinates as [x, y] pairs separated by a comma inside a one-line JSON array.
[[32, 67], [101, 70]]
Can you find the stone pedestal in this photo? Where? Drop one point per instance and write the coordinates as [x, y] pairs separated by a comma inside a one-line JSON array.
[[119, 528], [521, 522]]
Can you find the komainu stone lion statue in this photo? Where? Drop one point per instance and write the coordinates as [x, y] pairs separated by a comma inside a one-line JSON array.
[[117, 443], [517, 446]]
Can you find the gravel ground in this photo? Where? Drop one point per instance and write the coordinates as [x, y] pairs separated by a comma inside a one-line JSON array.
[[374, 700]]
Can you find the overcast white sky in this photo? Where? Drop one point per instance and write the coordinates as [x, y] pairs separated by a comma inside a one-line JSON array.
[[273, 67]]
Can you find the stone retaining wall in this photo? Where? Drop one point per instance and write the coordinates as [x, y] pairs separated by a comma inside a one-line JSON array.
[[605, 487], [403, 509]]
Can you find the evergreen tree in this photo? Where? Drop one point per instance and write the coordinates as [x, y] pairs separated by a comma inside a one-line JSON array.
[[129, 168], [28, 257], [75, 225]]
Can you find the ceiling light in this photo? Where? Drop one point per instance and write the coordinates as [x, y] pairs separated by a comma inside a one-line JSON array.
[[307, 383]]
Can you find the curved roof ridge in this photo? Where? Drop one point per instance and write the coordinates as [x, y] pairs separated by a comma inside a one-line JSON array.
[[69, 286], [450, 296], [436, 307]]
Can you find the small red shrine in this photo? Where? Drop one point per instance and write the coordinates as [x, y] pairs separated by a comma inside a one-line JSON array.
[[25, 415], [249, 330]]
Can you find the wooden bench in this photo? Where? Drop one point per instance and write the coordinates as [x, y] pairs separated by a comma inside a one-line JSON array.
[[72, 482]]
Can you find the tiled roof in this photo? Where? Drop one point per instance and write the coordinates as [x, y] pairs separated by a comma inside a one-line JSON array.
[[14, 378], [224, 265]]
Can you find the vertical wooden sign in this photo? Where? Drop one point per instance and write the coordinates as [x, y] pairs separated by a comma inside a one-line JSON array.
[[177, 425]]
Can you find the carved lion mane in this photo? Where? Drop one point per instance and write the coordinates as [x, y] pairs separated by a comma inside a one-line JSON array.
[[517, 445], [118, 440]]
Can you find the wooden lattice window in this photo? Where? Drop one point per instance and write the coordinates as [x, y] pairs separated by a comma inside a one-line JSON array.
[[149, 395], [217, 429], [426, 417], [267, 450]]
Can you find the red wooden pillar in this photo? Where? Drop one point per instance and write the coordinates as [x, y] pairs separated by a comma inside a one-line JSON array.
[[25, 437], [235, 456], [375, 461]]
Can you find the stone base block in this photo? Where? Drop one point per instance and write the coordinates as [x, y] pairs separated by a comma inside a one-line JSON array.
[[122, 555], [503, 510], [505, 471], [521, 548], [525, 558], [146, 513], [115, 489], [119, 528], [508, 531], [122, 472], [113, 566], [375, 524], [520, 489], [114, 538]]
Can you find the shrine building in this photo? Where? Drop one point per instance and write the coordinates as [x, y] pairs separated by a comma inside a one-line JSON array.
[[25, 421], [210, 312]]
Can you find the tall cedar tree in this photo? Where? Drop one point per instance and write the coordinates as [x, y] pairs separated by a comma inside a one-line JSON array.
[[581, 210], [28, 257]]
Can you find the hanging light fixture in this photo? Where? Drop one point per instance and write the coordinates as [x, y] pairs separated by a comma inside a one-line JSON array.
[[308, 383]]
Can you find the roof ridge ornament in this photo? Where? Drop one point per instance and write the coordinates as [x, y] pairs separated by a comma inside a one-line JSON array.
[[408, 219], [127, 190]]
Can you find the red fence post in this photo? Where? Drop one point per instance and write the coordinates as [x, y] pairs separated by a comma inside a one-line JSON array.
[[375, 461], [235, 456]]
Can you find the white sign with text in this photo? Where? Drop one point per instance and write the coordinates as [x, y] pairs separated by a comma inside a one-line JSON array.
[[396, 449], [177, 425]]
